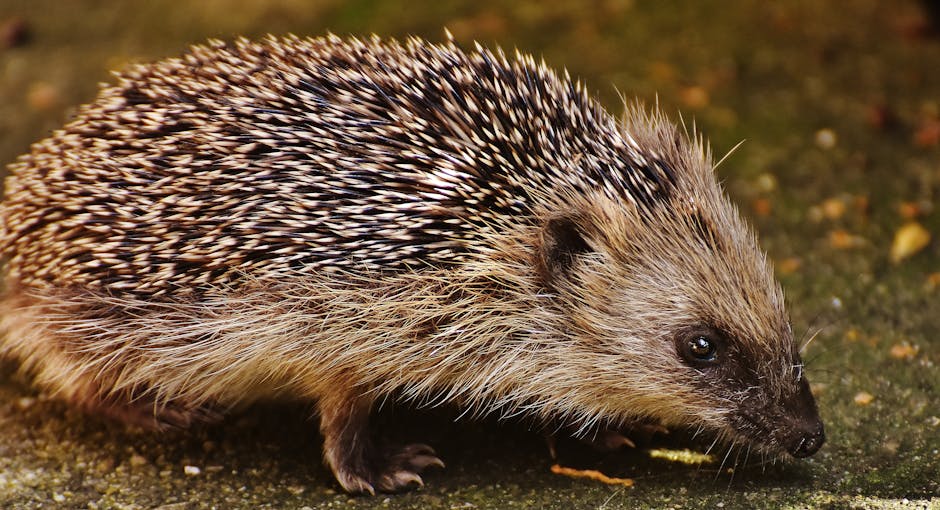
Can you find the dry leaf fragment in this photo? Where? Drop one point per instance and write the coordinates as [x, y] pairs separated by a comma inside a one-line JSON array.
[[903, 350], [762, 207], [909, 210], [683, 456], [590, 474], [908, 240], [933, 282], [789, 265], [842, 239]]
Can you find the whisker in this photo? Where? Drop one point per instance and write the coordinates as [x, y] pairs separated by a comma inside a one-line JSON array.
[[810, 340], [711, 446], [734, 465], [609, 498], [721, 467]]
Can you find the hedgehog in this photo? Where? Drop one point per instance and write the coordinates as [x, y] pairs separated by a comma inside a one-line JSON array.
[[346, 221]]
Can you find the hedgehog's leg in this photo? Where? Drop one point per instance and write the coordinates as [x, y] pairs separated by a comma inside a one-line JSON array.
[[604, 440], [136, 410], [609, 440], [49, 355], [359, 466]]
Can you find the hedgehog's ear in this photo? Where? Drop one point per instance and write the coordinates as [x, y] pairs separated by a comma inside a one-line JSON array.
[[560, 244]]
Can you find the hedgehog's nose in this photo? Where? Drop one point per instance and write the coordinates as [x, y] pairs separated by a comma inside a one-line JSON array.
[[809, 441], [806, 434]]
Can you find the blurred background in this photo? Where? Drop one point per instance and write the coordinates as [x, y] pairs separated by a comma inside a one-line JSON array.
[[838, 105]]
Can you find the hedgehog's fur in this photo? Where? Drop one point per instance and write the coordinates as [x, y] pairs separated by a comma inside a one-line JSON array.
[[347, 220]]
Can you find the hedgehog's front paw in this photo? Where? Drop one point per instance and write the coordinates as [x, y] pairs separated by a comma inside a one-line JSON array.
[[393, 471], [360, 467]]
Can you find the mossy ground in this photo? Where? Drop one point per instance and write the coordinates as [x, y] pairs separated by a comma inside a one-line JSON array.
[[840, 105]]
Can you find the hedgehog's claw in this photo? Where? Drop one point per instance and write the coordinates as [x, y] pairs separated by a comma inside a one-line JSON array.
[[608, 440], [399, 480], [399, 469], [402, 468], [604, 440], [394, 472], [416, 457], [353, 483]]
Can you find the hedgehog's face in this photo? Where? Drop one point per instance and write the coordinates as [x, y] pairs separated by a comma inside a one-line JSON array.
[[690, 309], [768, 404]]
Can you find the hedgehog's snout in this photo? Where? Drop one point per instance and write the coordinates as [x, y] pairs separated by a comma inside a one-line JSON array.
[[805, 433], [807, 441]]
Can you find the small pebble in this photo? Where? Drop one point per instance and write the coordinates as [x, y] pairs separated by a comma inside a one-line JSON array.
[[863, 398], [191, 470], [833, 208], [814, 214], [826, 138], [105, 465], [891, 445], [765, 182]]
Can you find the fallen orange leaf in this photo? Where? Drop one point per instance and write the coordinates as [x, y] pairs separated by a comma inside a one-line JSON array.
[[590, 474]]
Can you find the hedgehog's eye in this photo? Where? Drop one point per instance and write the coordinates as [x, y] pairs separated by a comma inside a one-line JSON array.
[[700, 348]]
